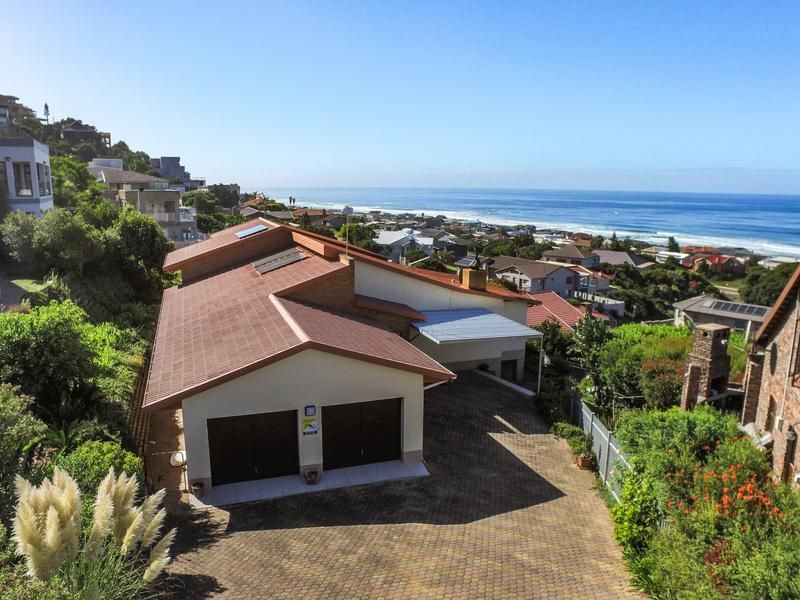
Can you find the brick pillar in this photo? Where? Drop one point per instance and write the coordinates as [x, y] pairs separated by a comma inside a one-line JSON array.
[[691, 386], [752, 387]]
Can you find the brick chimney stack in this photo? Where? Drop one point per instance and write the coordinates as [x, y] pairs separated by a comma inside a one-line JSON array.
[[707, 366], [473, 279]]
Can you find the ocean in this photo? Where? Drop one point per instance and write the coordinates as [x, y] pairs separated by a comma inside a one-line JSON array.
[[768, 225]]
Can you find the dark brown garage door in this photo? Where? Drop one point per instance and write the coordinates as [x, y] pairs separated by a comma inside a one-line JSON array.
[[361, 433], [253, 446]]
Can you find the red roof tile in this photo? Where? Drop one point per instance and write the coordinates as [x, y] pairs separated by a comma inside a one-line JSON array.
[[554, 307]]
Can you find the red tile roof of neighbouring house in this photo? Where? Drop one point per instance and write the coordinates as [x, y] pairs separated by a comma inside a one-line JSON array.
[[551, 306], [311, 212], [225, 325]]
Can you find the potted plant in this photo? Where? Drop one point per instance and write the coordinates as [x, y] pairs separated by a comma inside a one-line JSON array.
[[582, 447], [197, 489]]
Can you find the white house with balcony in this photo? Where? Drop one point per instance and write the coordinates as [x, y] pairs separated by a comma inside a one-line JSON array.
[[152, 196], [25, 175]]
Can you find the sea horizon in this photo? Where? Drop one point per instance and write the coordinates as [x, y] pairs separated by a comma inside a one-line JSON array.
[[767, 224]]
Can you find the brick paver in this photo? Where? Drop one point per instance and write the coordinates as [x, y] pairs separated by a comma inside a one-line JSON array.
[[504, 514]]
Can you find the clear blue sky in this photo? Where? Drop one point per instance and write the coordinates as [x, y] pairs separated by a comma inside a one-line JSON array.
[[693, 96]]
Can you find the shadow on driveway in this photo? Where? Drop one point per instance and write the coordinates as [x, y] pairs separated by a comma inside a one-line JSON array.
[[473, 476]]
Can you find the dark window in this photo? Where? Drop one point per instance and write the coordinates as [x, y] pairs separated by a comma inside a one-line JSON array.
[[770, 424]]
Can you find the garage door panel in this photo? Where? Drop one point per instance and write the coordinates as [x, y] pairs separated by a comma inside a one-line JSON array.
[[361, 433], [251, 447]]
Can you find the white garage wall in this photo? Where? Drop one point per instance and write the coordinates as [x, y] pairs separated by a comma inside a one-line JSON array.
[[310, 377]]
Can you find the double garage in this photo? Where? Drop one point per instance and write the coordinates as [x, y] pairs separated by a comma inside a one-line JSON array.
[[258, 446], [312, 411]]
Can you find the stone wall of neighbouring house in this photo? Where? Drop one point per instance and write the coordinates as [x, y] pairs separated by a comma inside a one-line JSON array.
[[774, 384]]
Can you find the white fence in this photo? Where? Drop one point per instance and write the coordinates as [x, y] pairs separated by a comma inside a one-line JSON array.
[[605, 447]]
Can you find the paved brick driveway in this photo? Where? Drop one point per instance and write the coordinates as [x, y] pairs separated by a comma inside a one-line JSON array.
[[505, 514]]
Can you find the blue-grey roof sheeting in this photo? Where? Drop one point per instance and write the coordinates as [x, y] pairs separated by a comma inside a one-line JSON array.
[[476, 324]]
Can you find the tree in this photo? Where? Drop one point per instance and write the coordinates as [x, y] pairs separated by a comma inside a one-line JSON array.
[[596, 242], [64, 242], [672, 244], [590, 336], [614, 243], [17, 230], [141, 239], [204, 202], [227, 194], [763, 286], [414, 255], [71, 179]]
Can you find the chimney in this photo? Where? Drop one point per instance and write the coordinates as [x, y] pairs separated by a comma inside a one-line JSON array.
[[707, 366], [586, 307], [473, 279]]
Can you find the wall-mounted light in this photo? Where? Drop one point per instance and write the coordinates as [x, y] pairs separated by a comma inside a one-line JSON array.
[[791, 434]]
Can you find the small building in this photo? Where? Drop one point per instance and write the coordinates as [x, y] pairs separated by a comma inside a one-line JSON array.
[[707, 366], [707, 309], [772, 382], [25, 175], [535, 275], [572, 254], [11, 113], [776, 261]]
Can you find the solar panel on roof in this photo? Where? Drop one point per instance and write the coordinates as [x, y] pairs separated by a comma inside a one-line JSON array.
[[250, 231], [745, 309], [278, 260]]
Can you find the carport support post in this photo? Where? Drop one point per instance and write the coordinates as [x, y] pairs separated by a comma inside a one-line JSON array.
[[539, 374]]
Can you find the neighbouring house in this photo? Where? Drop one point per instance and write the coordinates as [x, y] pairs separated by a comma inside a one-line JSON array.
[[98, 163], [665, 255], [652, 251], [152, 196], [776, 261], [313, 213], [77, 131], [535, 275], [11, 113], [397, 243], [334, 221], [619, 257], [170, 168], [572, 254], [282, 353], [589, 281], [549, 306], [772, 382], [25, 175], [717, 264], [707, 309]]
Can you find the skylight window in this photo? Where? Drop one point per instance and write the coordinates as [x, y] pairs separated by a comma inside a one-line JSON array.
[[278, 260], [250, 231]]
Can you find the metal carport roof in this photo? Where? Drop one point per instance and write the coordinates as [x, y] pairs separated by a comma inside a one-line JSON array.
[[468, 325]]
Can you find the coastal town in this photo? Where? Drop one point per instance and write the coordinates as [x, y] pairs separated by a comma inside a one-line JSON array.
[[333, 403]]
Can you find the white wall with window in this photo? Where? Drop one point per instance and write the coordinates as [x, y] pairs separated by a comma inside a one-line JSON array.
[[25, 179]]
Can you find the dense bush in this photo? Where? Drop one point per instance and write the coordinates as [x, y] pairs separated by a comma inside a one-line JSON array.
[[700, 516], [89, 463], [579, 442], [68, 365]]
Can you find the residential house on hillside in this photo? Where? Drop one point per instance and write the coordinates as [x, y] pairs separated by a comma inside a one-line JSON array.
[[282, 354], [549, 306], [77, 131], [772, 382], [398, 243], [152, 196], [707, 309], [535, 275], [572, 254], [718, 264], [11, 114], [25, 175], [170, 168]]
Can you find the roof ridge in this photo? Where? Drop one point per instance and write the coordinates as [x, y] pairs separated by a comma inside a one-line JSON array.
[[290, 320]]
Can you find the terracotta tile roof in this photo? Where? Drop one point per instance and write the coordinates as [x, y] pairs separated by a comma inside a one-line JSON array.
[[781, 307], [311, 212], [220, 327], [392, 308], [217, 242], [554, 307], [361, 338]]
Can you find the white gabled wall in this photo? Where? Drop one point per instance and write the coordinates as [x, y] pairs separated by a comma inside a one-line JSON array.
[[310, 377], [422, 295]]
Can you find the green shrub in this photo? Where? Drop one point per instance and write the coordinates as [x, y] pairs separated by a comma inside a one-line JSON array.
[[90, 462], [637, 515], [579, 442]]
